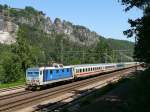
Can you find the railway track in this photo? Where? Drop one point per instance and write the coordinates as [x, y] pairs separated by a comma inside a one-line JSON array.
[[21, 100], [74, 98], [7, 96], [12, 88]]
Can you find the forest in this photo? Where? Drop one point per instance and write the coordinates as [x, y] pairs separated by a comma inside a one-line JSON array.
[[35, 47]]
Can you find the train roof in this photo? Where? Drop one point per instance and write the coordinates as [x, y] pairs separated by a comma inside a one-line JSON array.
[[81, 65], [94, 65], [42, 68]]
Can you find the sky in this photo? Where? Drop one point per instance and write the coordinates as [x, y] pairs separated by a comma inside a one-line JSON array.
[[106, 17]]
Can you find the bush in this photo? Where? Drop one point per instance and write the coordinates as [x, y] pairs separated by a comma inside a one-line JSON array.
[[10, 69]]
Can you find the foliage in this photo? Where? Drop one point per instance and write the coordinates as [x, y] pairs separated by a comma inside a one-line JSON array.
[[10, 71], [34, 47], [138, 3], [141, 29], [139, 98], [22, 49], [17, 59]]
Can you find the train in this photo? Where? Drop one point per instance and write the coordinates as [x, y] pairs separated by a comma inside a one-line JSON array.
[[38, 77]]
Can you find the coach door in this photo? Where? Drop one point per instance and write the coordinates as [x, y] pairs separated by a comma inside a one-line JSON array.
[[44, 75]]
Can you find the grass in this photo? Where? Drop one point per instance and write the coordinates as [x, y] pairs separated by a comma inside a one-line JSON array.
[[89, 99], [139, 99], [8, 85]]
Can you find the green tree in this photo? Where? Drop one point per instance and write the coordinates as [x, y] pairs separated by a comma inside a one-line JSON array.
[[10, 69], [23, 49], [141, 28]]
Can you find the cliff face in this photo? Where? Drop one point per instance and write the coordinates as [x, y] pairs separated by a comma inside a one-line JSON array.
[[50, 40], [11, 18]]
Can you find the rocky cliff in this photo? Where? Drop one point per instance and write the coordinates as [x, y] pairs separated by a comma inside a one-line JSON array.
[[11, 18]]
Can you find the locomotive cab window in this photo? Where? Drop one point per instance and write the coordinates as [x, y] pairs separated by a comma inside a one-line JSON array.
[[32, 73]]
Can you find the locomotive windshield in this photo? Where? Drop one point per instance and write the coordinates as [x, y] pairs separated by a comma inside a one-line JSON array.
[[32, 73]]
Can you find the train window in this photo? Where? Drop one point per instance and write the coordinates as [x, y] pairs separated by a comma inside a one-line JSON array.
[[67, 69], [51, 71], [88, 69], [80, 70], [83, 70], [62, 70], [57, 71]]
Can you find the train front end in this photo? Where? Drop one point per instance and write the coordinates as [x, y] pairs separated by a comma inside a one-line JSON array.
[[32, 77]]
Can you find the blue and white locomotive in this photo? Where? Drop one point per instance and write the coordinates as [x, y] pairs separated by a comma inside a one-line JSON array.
[[47, 75], [41, 76]]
